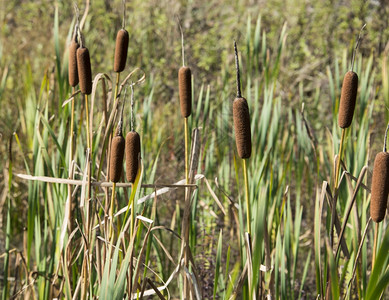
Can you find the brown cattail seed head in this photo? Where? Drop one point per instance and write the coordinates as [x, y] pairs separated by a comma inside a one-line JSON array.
[[116, 162], [121, 50], [185, 90], [241, 115], [379, 187], [132, 155], [73, 73], [347, 99], [84, 70]]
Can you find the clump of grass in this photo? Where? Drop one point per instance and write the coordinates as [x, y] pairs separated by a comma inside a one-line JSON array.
[[184, 83]]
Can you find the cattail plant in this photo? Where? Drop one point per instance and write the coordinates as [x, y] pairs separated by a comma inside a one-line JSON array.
[[345, 117], [85, 77], [116, 165], [132, 146], [379, 190], [133, 153], [241, 116], [73, 81], [121, 49], [185, 94]]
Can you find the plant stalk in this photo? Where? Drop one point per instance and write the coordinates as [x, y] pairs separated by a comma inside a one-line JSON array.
[[246, 188], [337, 171], [375, 245]]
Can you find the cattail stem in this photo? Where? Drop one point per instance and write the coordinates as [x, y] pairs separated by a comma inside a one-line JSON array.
[[70, 163], [87, 124], [337, 170], [356, 48], [238, 90], [186, 150], [182, 41], [132, 216], [124, 14], [246, 188], [375, 245], [111, 210], [386, 135], [116, 87]]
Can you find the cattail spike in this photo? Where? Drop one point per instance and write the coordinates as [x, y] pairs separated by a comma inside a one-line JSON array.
[[185, 90], [132, 155], [117, 154], [238, 93], [347, 99], [121, 49], [379, 187], [84, 70], [72, 68], [241, 116]]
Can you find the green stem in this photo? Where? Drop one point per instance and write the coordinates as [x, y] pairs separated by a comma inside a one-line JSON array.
[[246, 188], [375, 245], [186, 150], [111, 210]]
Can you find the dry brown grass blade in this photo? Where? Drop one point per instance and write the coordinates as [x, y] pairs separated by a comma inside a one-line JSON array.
[[164, 250], [143, 289], [241, 280], [107, 184], [71, 98], [218, 202], [155, 289], [348, 211], [141, 253], [103, 77]]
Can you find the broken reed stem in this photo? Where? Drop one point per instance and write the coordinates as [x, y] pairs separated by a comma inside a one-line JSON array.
[[375, 245], [337, 170], [246, 188], [186, 150]]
